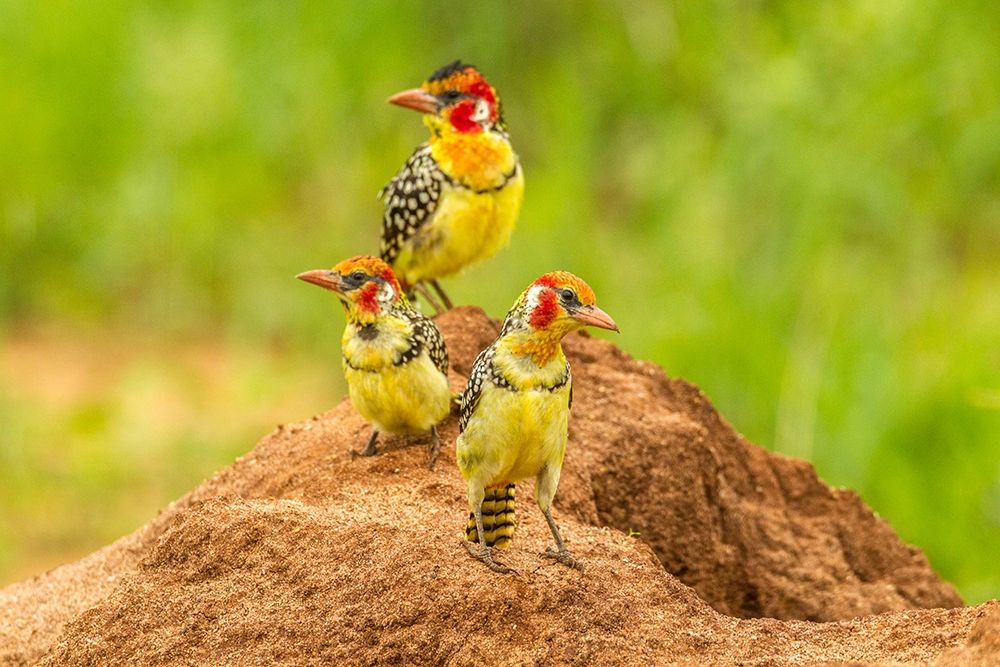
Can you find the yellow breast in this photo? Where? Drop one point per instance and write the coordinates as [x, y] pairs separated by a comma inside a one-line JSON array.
[[375, 353], [514, 435], [479, 161], [466, 227], [405, 399], [402, 399], [474, 218]]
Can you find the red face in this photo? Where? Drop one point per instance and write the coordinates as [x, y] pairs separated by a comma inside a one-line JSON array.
[[562, 298], [546, 310], [468, 116], [358, 281], [458, 93]]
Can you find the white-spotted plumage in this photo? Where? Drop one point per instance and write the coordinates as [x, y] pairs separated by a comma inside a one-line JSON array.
[[410, 198]]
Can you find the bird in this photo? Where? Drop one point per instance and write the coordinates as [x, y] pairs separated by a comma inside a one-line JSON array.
[[394, 358], [514, 417], [456, 200]]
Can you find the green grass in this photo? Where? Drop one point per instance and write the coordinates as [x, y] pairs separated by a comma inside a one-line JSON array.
[[794, 205]]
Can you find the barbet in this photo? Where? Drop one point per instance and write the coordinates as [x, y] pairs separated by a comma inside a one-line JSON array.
[[515, 412], [394, 358], [457, 199]]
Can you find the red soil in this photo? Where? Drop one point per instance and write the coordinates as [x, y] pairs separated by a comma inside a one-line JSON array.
[[299, 553]]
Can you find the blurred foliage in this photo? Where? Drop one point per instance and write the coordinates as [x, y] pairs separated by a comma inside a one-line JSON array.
[[100, 432], [795, 205]]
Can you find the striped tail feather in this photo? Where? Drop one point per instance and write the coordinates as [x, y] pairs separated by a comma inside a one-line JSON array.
[[498, 518]]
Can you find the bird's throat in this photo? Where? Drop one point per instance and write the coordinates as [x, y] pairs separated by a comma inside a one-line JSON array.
[[541, 346], [480, 161]]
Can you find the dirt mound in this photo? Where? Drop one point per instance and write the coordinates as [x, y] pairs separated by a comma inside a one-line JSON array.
[[300, 553]]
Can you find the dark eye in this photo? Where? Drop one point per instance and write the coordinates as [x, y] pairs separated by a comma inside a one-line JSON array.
[[355, 278], [568, 296], [450, 95]]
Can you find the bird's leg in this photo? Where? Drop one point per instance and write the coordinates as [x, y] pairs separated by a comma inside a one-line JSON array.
[[435, 446], [560, 553], [440, 292], [484, 553], [420, 289], [369, 449]]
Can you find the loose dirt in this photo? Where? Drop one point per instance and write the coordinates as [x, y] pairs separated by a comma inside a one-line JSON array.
[[699, 548]]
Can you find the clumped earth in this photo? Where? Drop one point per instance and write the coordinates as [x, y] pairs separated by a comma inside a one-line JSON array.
[[699, 548]]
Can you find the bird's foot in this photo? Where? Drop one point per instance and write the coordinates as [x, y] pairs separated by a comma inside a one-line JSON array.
[[448, 305], [369, 449], [420, 289], [564, 557], [435, 448], [485, 554]]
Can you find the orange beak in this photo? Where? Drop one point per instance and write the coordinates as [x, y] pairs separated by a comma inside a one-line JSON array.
[[324, 278], [415, 98], [595, 317]]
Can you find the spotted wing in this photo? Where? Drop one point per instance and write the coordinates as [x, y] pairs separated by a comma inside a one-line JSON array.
[[482, 372], [410, 199], [425, 331], [424, 336]]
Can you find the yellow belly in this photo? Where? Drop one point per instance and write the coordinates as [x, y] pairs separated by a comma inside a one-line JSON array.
[[466, 227], [407, 399], [514, 435]]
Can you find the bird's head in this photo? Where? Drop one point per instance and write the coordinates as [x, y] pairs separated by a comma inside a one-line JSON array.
[[458, 96], [365, 285], [560, 302]]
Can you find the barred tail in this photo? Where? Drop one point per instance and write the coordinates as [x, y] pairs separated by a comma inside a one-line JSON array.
[[498, 518]]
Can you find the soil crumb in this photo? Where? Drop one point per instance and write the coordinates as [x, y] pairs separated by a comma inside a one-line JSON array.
[[699, 548]]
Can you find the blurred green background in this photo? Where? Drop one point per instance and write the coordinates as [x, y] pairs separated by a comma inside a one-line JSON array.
[[795, 205]]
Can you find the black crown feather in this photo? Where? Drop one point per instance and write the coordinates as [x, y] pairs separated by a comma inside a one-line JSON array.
[[449, 69]]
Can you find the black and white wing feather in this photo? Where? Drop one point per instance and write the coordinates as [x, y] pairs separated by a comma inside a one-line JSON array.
[[410, 199], [427, 333], [482, 372], [426, 336]]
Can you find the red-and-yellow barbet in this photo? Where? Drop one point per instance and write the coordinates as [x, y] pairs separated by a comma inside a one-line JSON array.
[[457, 198], [515, 412], [394, 358]]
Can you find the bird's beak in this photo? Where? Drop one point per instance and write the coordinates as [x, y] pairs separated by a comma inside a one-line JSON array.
[[415, 98], [324, 278], [595, 317]]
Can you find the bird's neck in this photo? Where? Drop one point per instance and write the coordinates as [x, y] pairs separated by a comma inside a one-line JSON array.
[[361, 316], [376, 343], [478, 160], [373, 312], [542, 347]]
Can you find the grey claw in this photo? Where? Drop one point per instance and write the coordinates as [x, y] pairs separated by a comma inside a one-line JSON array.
[[485, 554], [564, 557]]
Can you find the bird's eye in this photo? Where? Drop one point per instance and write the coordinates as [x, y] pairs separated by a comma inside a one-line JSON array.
[[568, 296], [356, 278], [450, 95]]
